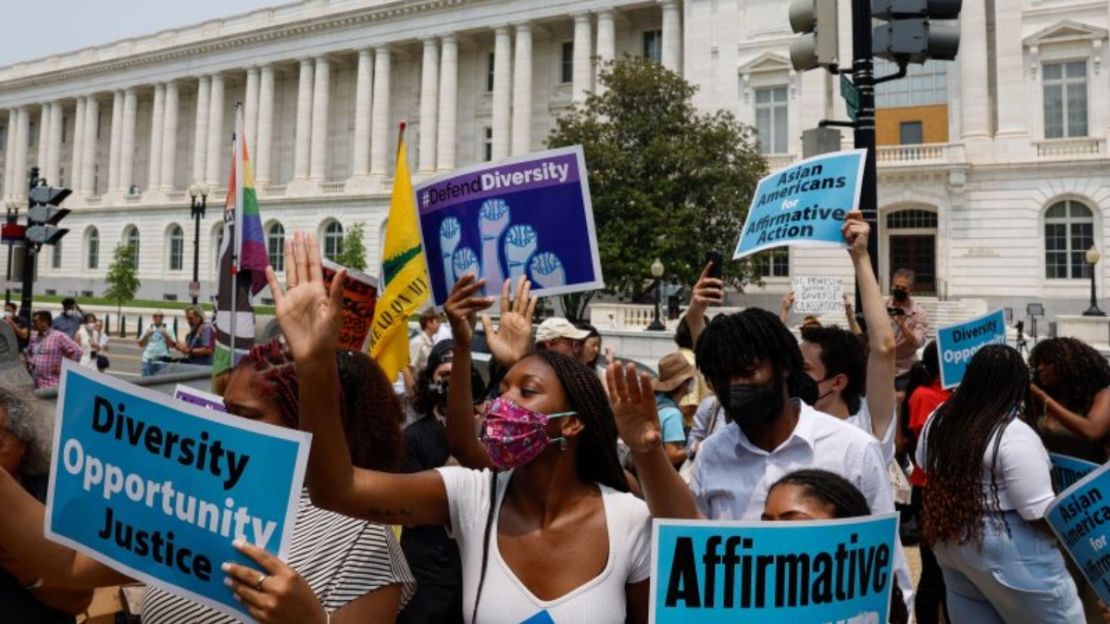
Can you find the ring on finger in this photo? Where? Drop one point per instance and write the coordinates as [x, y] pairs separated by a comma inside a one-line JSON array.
[[258, 585]]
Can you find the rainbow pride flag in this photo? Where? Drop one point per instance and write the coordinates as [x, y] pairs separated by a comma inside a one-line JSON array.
[[243, 259]]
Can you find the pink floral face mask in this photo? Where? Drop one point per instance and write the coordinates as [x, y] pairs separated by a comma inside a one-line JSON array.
[[514, 435]]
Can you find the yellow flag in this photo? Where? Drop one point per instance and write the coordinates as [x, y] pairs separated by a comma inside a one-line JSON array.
[[403, 272]]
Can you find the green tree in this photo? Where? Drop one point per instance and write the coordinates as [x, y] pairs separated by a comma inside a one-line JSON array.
[[122, 280], [353, 253], [666, 180]]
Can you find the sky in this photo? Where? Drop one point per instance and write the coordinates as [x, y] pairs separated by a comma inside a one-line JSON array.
[[47, 27]]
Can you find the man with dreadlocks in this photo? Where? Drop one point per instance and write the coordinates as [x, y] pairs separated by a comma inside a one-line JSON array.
[[1071, 385], [984, 506]]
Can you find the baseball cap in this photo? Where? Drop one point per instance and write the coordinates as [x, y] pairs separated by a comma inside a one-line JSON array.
[[556, 328]]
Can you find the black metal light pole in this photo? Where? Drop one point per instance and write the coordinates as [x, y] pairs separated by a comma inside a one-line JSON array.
[[197, 211], [657, 273], [12, 220], [1092, 257], [863, 75], [30, 252]]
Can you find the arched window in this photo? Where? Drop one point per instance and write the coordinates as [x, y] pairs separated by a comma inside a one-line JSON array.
[[1069, 231], [333, 240], [275, 245], [92, 248], [177, 248], [131, 239]]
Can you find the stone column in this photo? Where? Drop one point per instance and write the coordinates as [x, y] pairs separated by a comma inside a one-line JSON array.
[[583, 68], [127, 141], [250, 111], [9, 153], [672, 35], [975, 113], [43, 138], [76, 159], [200, 136], [218, 148], [157, 123], [379, 141], [363, 95], [448, 106], [19, 168], [429, 105], [320, 104], [169, 137], [88, 146], [304, 122], [265, 126], [54, 148], [116, 139], [606, 43], [1012, 116], [522, 91], [502, 94]]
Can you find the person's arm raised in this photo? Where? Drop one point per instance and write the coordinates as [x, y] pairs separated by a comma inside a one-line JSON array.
[[637, 419], [511, 340], [708, 291], [880, 335], [310, 316]]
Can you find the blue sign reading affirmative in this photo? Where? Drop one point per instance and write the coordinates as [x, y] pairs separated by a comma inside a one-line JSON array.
[[158, 489], [804, 204], [957, 344], [806, 572], [1080, 517], [526, 216], [1067, 470]]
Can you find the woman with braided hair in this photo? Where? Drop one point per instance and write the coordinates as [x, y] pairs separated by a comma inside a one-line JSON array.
[[1071, 385], [984, 505], [550, 534]]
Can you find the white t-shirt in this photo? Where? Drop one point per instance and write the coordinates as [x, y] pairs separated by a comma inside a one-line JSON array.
[[504, 598], [1023, 471], [862, 420]]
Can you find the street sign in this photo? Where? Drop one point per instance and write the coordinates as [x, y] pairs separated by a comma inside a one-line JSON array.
[[850, 92], [12, 233], [194, 289]]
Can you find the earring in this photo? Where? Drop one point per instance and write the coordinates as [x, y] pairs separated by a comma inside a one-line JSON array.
[[562, 444]]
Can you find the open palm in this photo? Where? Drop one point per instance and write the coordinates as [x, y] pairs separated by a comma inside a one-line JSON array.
[[510, 342], [307, 311], [634, 408]]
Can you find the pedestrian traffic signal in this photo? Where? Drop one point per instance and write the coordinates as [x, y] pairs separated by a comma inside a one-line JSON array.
[[914, 31], [816, 22], [45, 213]]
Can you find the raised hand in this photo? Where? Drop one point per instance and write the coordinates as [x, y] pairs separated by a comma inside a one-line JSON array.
[[463, 303], [283, 596], [493, 218], [450, 234], [548, 270], [856, 233], [466, 261], [708, 291], [520, 244], [308, 313], [512, 339], [634, 407]]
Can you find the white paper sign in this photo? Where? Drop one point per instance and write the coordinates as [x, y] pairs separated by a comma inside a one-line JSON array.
[[818, 295]]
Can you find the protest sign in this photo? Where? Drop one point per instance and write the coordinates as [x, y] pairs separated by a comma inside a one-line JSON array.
[[1066, 470], [804, 204], [158, 488], [818, 295], [527, 216], [957, 344], [360, 295], [1080, 517], [199, 398], [821, 571]]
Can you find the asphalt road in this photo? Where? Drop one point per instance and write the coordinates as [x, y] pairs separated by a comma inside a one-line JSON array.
[[124, 357]]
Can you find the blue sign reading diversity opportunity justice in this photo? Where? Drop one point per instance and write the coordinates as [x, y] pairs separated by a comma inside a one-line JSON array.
[[158, 488], [525, 216], [957, 344], [1080, 517], [803, 572], [804, 204]]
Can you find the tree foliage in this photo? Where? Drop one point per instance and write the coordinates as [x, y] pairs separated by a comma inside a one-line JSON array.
[[122, 278], [353, 253], [666, 180]]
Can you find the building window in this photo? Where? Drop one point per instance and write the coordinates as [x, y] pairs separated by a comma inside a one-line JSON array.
[[56, 256], [490, 64], [1069, 231], [566, 67], [770, 119], [275, 245], [653, 45], [65, 119], [773, 263], [924, 85], [1065, 100], [31, 129], [333, 240], [911, 133], [92, 249], [911, 220], [487, 143], [177, 248], [131, 239]]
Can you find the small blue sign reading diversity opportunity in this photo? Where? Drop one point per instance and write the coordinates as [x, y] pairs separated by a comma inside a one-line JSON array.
[[957, 344], [804, 204], [1080, 517], [158, 488], [726, 572]]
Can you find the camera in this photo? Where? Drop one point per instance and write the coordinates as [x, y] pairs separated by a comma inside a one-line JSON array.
[[895, 311]]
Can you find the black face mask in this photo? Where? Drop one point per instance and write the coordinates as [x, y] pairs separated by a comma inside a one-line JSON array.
[[901, 295], [437, 396], [751, 405]]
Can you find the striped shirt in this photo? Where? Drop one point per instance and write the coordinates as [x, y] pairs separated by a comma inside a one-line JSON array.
[[340, 558]]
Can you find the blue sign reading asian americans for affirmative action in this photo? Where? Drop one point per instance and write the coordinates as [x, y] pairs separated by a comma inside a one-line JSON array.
[[957, 344], [1067, 470], [1080, 517], [804, 204], [803, 572], [158, 488], [526, 216]]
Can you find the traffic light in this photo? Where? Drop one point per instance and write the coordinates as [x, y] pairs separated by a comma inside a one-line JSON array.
[[45, 213], [911, 32], [816, 22]]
